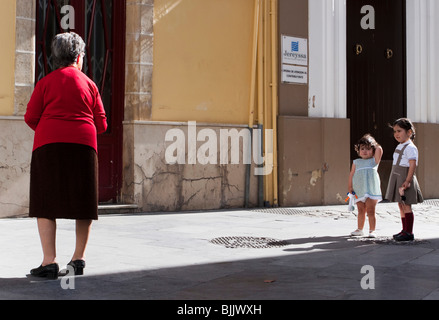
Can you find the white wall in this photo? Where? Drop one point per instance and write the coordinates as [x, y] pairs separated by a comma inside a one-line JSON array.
[[327, 59], [422, 64]]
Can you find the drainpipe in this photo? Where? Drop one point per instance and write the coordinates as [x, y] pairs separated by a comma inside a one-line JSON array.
[[254, 65], [252, 95], [274, 86], [261, 101], [267, 87]]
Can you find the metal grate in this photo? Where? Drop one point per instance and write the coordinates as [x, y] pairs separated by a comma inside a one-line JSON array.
[[284, 211], [431, 203], [249, 242]]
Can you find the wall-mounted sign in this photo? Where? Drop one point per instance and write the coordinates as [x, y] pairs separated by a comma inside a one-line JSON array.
[[294, 50], [294, 74], [294, 60]]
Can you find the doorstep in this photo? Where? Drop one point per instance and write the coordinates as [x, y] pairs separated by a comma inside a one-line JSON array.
[[117, 208]]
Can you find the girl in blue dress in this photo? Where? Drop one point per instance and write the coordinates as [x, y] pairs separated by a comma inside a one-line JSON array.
[[364, 180]]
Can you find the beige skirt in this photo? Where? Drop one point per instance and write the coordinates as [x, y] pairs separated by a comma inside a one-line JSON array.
[[413, 194]]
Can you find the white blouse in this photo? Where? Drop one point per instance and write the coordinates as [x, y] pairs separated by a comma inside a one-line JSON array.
[[410, 153]]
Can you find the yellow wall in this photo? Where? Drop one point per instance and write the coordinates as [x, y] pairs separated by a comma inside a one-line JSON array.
[[7, 57], [202, 60]]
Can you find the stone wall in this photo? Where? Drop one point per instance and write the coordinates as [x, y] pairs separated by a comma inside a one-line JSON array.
[[156, 185], [16, 141]]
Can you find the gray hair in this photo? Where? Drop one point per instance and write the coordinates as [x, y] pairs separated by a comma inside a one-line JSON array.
[[66, 47]]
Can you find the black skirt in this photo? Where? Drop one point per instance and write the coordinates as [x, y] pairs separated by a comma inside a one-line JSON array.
[[64, 182]]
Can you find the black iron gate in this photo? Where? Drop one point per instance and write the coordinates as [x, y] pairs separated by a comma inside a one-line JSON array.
[[101, 23]]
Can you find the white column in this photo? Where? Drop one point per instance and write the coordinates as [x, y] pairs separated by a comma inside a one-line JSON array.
[[327, 58], [422, 67]]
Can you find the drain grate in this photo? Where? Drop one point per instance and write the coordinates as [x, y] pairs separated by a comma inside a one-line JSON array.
[[249, 242], [431, 203], [284, 211]]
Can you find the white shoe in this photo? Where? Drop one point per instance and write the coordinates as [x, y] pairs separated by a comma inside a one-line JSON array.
[[372, 234], [357, 233]]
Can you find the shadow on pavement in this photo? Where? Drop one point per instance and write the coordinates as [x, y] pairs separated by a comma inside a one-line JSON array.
[[318, 268]]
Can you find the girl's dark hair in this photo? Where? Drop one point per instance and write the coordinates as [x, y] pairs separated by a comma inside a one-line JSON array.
[[368, 141], [66, 47], [405, 124]]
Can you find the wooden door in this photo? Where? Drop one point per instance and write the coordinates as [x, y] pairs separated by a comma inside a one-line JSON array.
[[376, 64], [101, 23]]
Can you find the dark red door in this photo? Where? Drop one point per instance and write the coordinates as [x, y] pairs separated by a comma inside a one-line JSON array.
[[376, 76], [101, 23], [376, 62]]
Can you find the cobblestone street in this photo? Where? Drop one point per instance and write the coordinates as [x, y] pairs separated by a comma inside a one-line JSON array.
[[426, 212]]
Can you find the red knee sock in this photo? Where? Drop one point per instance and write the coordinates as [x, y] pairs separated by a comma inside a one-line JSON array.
[[404, 224], [409, 220]]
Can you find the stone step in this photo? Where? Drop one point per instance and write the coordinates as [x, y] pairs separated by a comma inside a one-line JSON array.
[[117, 208]]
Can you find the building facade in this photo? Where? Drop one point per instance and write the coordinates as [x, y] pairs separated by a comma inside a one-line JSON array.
[[225, 103]]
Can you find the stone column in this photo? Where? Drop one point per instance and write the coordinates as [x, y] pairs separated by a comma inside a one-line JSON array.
[[139, 59], [138, 87], [24, 55]]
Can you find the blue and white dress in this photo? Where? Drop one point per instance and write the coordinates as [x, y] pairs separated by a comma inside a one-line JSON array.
[[366, 181]]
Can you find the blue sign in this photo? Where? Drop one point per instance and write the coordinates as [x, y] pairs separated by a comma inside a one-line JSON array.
[[295, 46]]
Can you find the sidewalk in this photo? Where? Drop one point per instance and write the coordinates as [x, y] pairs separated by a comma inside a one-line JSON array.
[[266, 254]]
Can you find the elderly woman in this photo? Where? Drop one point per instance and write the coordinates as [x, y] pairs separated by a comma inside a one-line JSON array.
[[67, 113]]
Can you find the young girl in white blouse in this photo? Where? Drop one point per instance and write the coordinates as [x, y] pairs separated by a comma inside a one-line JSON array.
[[365, 182], [403, 186]]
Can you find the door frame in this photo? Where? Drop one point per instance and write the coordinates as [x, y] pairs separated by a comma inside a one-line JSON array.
[[118, 100], [115, 136]]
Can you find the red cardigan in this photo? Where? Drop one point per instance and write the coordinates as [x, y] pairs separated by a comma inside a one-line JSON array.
[[66, 107]]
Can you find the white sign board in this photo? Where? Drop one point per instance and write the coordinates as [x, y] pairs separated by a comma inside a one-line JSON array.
[[294, 50], [294, 74]]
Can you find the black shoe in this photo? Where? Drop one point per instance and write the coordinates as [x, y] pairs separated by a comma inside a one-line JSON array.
[[50, 271], [77, 266], [405, 236], [398, 234]]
